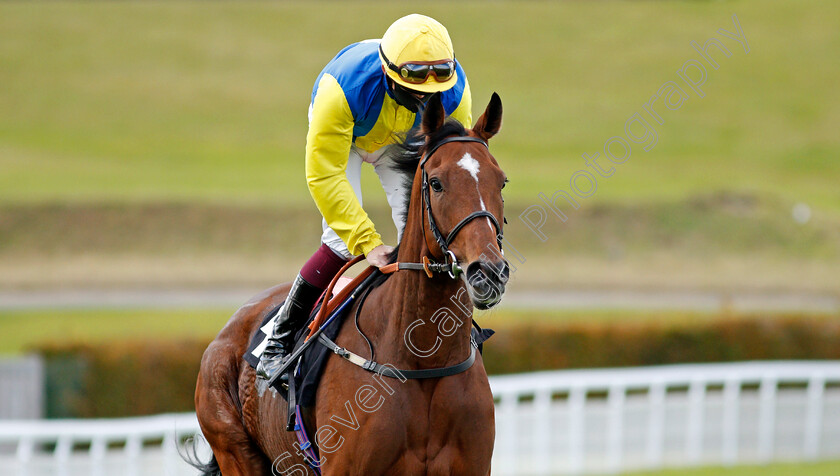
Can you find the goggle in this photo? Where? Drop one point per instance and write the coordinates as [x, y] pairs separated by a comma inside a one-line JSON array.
[[419, 72]]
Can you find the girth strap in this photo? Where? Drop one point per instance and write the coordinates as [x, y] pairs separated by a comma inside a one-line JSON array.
[[388, 371]]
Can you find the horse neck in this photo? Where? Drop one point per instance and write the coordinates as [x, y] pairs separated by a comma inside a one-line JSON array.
[[425, 313]]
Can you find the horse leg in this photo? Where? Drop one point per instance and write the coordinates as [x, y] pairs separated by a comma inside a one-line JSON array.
[[219, 415], [222, 393], [242, 462]]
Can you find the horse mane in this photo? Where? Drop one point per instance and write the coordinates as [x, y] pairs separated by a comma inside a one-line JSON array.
[[406, 157]]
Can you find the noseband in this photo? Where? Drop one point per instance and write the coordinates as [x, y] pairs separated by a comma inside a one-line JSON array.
[[450, 260]]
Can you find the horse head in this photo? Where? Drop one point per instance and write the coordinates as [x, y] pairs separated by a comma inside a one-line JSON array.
[[461, 185]]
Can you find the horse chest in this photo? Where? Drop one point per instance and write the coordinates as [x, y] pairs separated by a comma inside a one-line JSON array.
[[420, 428]]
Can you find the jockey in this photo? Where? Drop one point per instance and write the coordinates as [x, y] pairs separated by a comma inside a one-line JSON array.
[[369, 95]]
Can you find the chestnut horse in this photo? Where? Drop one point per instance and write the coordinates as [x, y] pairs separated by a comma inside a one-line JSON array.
[[369, 424]]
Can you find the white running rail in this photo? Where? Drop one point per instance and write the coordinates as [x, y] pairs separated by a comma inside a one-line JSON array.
[[547, 423], [118, 446], [615, 420]]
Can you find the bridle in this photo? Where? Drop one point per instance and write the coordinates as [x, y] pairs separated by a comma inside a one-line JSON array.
[[450, 260]]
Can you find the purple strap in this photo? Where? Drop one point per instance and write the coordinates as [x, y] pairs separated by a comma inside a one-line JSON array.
[[305, 445]]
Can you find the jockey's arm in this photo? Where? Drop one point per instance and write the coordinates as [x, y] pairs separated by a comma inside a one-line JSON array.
[[328, 145]]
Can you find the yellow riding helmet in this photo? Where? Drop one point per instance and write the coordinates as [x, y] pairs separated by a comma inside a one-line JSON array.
[[417, 39]]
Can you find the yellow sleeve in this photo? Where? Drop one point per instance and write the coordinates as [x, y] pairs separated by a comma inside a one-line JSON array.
[[463, 113], [327, 150]]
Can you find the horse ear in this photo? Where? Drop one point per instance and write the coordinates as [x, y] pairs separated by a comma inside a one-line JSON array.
[[433, 115], [490, 122]]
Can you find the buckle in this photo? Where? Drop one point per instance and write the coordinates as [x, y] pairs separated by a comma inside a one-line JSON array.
[[454, 269]]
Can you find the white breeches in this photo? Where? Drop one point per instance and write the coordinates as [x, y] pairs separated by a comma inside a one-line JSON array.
[[392, 183]]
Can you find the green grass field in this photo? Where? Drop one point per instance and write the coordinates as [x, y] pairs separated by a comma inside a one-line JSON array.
[[162, 143], [187, 101], [22, 330]]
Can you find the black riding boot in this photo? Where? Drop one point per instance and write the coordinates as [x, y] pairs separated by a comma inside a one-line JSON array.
[[294, 312]]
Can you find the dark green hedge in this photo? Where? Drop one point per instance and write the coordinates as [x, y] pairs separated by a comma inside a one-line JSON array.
[[601, 345], [137, 378], [121, 378]]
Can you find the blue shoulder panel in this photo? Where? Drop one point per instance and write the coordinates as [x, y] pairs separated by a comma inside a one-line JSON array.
[[451, 98], [359, 73]]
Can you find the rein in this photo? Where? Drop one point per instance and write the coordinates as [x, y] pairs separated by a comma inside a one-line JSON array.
[[450, 261]]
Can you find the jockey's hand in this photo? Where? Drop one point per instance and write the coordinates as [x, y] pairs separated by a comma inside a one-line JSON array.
[[379, 256]]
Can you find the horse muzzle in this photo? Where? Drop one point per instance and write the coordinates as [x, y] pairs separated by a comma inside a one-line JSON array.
[[486, 282]]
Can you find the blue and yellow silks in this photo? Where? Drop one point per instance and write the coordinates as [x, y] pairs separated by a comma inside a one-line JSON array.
[[351, 104]]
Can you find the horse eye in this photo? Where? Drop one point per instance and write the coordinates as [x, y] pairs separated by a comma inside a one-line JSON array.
[[436, 185]]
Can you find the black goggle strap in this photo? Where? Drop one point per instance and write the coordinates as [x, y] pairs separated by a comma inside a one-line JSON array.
[[391, 65]]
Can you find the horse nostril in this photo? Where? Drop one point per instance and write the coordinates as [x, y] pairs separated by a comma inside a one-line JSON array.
[[475, 272], [499, 271], [486, 282], [504, 275], [481, 271]]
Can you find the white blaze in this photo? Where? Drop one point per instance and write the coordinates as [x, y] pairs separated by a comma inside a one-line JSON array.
[[472, 166]]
